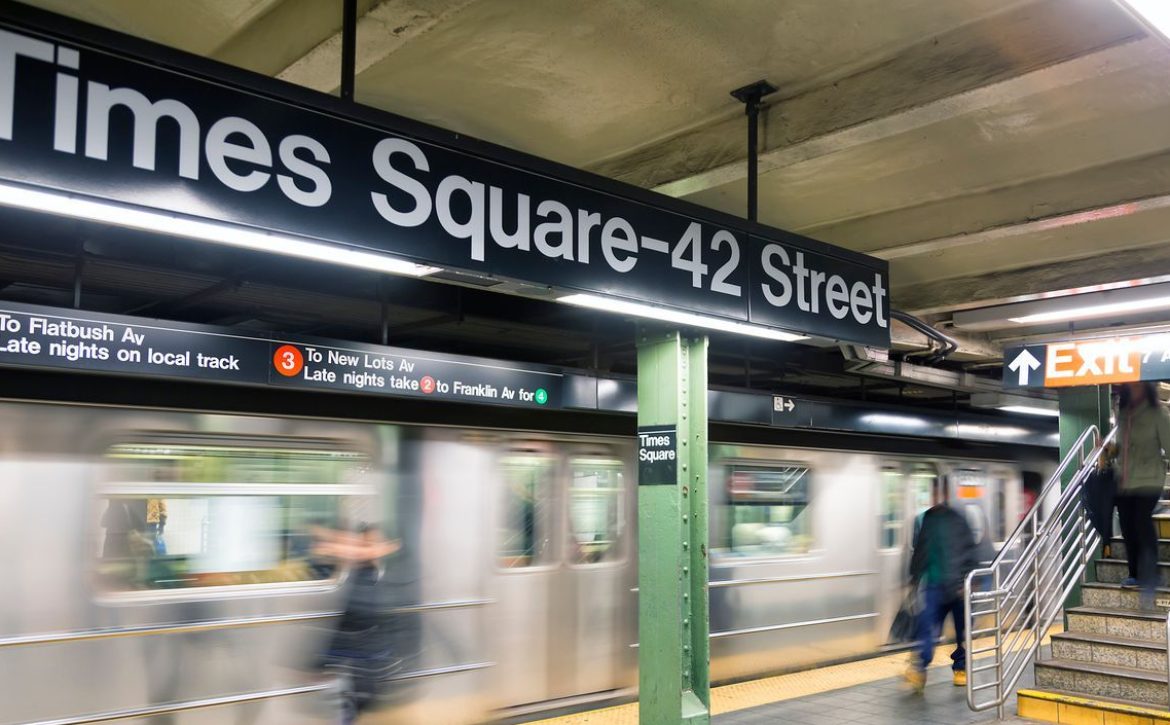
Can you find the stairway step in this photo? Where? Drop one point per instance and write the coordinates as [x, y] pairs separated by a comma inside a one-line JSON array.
[[1119, 551], [1116, 622], [1110, 650], [1095, 679], [1162, 521], [1115, 570], [1111, 595], [1059, 706]]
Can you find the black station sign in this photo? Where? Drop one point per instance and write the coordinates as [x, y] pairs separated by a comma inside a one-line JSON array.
[[187, 136], [90, 342], [657, 455]]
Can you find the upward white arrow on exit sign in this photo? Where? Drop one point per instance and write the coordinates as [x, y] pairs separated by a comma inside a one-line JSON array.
[[1023, 365]]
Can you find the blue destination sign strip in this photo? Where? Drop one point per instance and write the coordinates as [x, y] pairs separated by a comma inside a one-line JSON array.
[[95, 116], [89, 342], [92, 342]]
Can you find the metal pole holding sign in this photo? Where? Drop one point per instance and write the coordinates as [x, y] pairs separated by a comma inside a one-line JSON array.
[[348, 48], [673, 656], [750, 95]]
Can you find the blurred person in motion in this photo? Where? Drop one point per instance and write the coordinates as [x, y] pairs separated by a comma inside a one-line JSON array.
[[361, 649], [944, 553], [1143, 441]]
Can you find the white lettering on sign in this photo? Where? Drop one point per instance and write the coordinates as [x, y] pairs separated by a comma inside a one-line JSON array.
[[232, 138], [485, 214], [652, 456], [1060, 355], [865, 301]]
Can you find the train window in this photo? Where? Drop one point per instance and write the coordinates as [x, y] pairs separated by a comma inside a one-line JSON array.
[[596, 510], [922, 479], [525, 534], [892, 497], [1001, 514], [769, 510], [198, 515]]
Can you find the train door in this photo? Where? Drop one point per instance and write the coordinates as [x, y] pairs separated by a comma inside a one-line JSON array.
[[527, 559], [593, 595], [905, 494], [892, 536], [971, 497], [1006, 505], [561, 554]]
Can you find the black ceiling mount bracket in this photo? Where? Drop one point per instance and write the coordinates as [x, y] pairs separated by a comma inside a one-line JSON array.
[[750, 96]]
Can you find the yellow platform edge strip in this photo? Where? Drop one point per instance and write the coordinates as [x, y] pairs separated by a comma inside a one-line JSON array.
[[753, 693], [1058, 707]]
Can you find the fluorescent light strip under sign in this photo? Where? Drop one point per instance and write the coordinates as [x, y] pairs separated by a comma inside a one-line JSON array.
[[172, 225], [663, 314]]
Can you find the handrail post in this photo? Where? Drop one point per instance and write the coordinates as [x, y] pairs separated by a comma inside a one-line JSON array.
[[1037, 615], [1168, 658], [999, 654], [1037, 566]]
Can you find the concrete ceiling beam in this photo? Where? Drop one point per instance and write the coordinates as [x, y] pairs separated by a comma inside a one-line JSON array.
[[1148, 264], [387, 27], [961, 72], [1035, 226]]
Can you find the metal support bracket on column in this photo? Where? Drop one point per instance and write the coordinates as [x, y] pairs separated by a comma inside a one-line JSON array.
[[673, 654]]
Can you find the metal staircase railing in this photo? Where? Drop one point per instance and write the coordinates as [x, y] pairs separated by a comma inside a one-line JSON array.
[[1015, 599]]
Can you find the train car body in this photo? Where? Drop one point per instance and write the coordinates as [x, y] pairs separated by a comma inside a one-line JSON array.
[[157, 563]]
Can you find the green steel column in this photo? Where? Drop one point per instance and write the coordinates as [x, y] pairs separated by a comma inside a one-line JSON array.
[[673, 655], [1080, 408]]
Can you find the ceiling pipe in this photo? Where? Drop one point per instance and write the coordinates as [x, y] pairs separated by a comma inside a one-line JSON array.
[[946, 345]]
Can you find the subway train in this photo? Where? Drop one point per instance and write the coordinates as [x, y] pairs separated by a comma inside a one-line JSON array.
[[157, 564]]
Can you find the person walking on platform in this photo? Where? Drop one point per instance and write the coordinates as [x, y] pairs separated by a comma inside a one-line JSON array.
[[944, 553], [1144, 440]]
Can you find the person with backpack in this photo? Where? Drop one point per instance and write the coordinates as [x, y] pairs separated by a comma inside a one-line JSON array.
[[1142, 445], [944, 553]]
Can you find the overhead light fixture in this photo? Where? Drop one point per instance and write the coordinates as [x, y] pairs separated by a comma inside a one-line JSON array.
[[678, 317], [1031, 410], [1090, 311], [1015, 404], [1154, 13], [989, 430], [1067, 308], [895, 420], [76, 207]]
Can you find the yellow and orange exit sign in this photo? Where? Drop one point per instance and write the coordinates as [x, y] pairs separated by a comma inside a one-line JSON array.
[[1087, 362]]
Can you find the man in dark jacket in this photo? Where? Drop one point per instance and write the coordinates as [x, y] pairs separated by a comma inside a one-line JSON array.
[[944, 553]]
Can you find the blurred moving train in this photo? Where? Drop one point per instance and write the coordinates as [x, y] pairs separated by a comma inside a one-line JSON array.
[[156, 563]]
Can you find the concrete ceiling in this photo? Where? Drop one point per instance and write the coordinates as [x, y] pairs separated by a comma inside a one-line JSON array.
[[990, 149]]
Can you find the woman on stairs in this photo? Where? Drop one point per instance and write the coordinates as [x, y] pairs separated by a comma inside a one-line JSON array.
[[1143, 442]]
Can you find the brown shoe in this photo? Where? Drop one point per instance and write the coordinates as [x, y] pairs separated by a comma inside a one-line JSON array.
[[960, 678]]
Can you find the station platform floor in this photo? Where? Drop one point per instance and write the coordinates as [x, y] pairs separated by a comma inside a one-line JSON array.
[[866, 691]]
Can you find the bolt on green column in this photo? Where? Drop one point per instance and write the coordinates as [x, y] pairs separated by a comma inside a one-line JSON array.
[[673, 654]]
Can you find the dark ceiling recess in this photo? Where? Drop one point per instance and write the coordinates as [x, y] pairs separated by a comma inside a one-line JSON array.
[[134, 273]]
